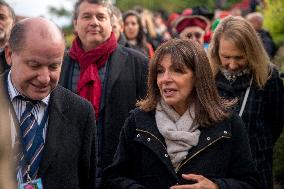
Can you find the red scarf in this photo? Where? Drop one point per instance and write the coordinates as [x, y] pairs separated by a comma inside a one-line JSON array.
[[89, 84]]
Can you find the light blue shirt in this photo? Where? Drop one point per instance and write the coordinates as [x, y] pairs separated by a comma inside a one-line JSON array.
[[19, 107]]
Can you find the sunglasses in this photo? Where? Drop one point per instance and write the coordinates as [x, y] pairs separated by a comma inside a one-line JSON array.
[[197, 35]]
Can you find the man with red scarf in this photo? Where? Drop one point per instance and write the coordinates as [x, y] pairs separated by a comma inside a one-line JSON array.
[[110, 76]]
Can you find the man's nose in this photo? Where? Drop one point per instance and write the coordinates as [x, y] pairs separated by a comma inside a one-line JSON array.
[[44, 76], [94, 21]]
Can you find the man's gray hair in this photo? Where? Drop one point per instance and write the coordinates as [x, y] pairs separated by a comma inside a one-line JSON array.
[[11, 10], [104, 3]]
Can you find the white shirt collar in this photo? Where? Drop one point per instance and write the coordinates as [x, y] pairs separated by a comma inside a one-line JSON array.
[[13, 92]]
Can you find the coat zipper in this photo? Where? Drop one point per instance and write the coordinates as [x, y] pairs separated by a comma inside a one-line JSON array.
[[153, 136], [195, 154]]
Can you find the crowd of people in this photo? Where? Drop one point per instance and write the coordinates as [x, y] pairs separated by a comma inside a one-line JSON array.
[[138, 101]]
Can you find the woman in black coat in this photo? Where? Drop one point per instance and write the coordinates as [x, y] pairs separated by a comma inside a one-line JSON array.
[[182, 135], [243, 72]]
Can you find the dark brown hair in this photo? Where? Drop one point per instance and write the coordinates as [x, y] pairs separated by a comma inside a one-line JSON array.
[[209, 107], [141, 36]]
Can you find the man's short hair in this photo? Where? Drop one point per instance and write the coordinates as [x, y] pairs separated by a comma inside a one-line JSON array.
[[255, 15], [17, 36], [104, 3], [117, 13], [11, 10]]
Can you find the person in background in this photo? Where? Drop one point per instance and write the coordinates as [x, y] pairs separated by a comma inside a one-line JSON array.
[[256, 20], [171, 21], [236, 11], [160, 27], [134, 33], [118, 27], [108, 75], [7, 20], [54, 133], [182, 134], [192, 27], [205, 12], [149, 28], [243, 71]]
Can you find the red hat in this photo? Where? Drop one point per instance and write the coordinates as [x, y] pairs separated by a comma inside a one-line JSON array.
[[188, 21]]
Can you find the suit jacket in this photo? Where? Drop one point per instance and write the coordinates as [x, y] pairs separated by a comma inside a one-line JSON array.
[[3, 64], [68, 160], [125, 82]]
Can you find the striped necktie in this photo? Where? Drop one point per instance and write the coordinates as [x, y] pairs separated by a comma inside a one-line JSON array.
[[32, 141]]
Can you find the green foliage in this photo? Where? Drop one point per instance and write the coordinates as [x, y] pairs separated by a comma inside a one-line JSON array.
[[278, 165], [169, 5], [274, 19], [60, 12]]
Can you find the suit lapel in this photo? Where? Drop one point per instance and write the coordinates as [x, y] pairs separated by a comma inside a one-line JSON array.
[[56, 123], [116, 64], [10, 112]]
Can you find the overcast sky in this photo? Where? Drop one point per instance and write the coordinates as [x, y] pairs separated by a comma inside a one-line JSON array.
[[40, 8]]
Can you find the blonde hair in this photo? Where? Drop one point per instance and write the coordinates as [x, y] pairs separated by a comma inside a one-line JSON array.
[[242, 34], [147, 18]]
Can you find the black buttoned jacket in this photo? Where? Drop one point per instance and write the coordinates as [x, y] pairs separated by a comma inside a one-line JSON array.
[[141, 161]]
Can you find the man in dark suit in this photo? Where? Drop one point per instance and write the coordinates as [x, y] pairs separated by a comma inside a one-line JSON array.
[[110, 76], [54, 129], [256, 20]]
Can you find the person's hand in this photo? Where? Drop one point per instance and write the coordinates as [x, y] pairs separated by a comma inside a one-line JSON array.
[[201, 183]]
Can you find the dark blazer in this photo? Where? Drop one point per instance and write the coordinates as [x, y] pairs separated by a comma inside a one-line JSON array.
[[3, 64], [68, 160], [125, 83], [141, 161]]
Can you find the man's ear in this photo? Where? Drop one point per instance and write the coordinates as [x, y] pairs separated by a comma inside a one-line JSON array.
[[8, 55], [74, 27], [122, 27]]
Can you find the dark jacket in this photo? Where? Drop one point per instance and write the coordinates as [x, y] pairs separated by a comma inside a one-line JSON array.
[[141, 161], [263, 117], [268, 42], [125, 82], [68, 159], [3, 64], [123, 41]]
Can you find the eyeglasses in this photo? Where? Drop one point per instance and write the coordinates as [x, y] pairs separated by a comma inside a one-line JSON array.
[[197, 35]]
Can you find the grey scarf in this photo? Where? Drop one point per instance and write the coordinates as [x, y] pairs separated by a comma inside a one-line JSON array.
[[179, 132]]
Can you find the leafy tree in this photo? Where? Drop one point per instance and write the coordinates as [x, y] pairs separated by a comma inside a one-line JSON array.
[[274, 19], [60, 12], [170, 5]]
